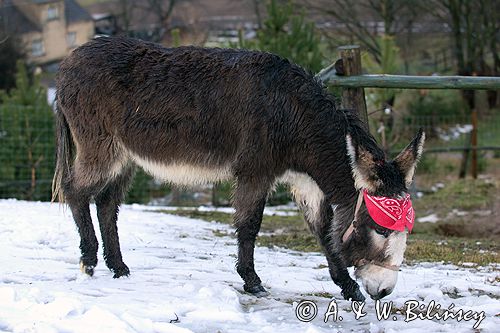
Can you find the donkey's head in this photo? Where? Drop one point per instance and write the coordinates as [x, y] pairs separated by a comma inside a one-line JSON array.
[[375, 241]]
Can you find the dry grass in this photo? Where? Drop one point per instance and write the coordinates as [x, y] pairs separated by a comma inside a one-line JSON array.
[[453, 240]]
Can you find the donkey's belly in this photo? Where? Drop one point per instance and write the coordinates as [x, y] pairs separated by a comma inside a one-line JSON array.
[[182, 173]]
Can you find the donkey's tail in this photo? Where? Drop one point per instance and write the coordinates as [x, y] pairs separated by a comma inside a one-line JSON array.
[[64, 153]]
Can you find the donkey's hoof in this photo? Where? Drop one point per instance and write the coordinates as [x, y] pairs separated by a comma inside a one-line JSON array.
[[122, 271], [354, 294], [87, 269], [257, 290]]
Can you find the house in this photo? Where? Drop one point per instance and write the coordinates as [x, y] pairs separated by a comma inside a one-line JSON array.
[[199, 21], [48, 29]]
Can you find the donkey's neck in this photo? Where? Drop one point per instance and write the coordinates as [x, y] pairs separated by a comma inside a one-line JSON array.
[[328, 162], [336, 183]]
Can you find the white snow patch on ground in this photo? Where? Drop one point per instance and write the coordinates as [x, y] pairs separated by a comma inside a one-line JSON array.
[[180, 270], [432, 218], [288, 210]]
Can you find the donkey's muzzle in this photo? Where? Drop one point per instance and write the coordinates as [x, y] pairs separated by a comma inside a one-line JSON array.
[[381, 294]]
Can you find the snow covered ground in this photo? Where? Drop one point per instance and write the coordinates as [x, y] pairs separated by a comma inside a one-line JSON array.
[[181, 270]]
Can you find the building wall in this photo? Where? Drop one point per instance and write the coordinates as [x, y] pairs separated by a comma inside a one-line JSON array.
[[54, 33], [27, 40], [54, 36], [30, 9], [84, 32]]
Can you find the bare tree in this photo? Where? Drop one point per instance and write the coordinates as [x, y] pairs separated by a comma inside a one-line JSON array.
[[474, 32], [125, 15], [363, 21], [132, 16], [11, 50], [162, 10], [256, 8], [475, 36]]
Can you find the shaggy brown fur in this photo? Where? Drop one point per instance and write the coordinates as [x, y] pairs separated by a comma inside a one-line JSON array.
[[191, 115]]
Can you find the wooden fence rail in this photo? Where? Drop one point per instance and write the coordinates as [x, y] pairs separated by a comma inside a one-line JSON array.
[[411, 81], [453, 149], [346, 73]]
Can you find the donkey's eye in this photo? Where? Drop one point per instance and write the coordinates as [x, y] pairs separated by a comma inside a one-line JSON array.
[[383, 232]]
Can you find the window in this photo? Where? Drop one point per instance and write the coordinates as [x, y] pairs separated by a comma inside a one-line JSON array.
[[52, 13], [37, 49], [71, 39]]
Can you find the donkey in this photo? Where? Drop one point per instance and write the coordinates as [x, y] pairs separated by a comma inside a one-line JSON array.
[[192, 115]]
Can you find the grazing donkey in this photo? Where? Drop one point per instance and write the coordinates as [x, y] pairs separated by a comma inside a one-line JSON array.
[[193, 115]]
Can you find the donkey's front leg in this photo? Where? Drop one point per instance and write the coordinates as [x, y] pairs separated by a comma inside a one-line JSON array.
[[339, 274], [321, 227], [249, 202]]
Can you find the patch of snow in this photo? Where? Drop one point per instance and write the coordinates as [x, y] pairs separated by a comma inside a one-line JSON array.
[[457, 212], [486, 212], [271, 211], [51, 95], [183, 279], [469, 264], [453, 133], [432, 218]]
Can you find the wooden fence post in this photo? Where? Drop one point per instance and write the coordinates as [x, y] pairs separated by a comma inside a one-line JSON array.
[[349, 65], [465, 158], [471, 148], [215, 195], [474, 143]]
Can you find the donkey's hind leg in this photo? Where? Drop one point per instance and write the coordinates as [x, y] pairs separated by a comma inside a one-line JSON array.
[[249, 201], [78, 198], [108, 202]]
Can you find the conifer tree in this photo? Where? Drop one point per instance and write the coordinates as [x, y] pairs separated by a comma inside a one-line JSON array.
[[26, 139], [289, 35]]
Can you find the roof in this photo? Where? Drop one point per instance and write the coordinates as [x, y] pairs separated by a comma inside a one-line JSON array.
[[74, 12], [43, 1], [213, 12], [12, 20]]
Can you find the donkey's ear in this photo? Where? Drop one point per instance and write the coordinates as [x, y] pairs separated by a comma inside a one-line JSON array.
[[407, 160], [363, 166]]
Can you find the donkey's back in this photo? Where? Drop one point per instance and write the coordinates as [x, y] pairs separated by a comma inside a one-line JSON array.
[[185, 114]]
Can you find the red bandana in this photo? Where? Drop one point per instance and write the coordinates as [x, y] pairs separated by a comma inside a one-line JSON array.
[[390, 213]]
